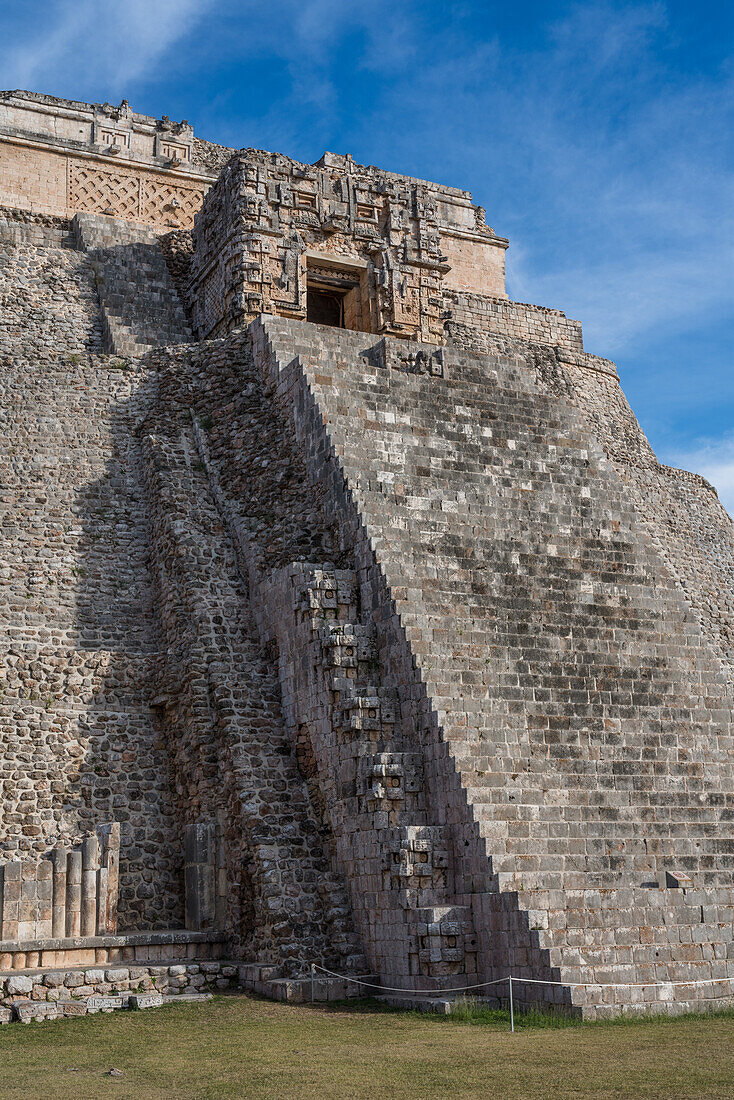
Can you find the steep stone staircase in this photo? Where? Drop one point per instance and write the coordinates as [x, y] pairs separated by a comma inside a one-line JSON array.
[[587, 721], [139, 302]]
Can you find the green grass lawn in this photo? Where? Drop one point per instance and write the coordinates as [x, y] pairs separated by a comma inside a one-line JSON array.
[[243, 1047]]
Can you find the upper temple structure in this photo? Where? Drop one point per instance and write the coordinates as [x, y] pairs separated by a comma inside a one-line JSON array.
[[348, 619]]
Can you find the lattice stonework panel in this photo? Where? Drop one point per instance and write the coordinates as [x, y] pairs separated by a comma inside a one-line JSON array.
[[100, 191], [211, 300], [135, 197], [164, 202]]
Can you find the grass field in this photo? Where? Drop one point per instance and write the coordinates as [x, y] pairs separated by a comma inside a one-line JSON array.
[[242, 1047]]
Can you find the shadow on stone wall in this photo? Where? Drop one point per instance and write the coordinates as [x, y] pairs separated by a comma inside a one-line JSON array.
[[122, 771]]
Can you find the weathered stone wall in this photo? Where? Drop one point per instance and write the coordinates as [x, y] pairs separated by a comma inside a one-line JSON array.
[[212, 435], [680, 511], [178, 249], [471, 317], [81, 745], [23, 227]]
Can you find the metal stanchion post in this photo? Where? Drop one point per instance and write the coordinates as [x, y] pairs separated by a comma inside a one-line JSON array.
[[313, 971], [512, 1009]]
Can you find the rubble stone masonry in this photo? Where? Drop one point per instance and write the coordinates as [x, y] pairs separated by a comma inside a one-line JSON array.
[[81, 746]]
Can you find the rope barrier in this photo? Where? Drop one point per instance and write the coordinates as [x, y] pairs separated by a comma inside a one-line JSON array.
[[400, 989], [512, 977]]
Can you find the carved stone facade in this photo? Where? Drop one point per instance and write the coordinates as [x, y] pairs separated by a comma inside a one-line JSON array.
[[273, 233], [61, 157]]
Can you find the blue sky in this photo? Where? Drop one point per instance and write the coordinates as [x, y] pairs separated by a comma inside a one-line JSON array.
[[599, 137]]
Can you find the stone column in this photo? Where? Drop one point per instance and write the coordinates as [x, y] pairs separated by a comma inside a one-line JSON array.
[[44, 899], [74, 894], [220, 917], [90, 867], [11, 900], [200, 875], [27, 901], [59, 859], [109, 876]]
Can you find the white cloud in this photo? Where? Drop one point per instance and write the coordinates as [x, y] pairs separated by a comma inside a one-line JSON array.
[[640, 181], [621, 298], [609, 170], [714, 459], [86, 44]]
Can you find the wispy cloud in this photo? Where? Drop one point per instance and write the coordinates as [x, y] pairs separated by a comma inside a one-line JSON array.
[[83, 44], [610, 172], [315, 49], [714, 459]]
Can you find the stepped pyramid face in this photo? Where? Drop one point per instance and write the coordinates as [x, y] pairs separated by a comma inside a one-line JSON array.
[[344, 592]]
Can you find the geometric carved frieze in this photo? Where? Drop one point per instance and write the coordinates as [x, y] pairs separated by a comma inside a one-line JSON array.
[[104, 191], [134, 196], [163, 201]]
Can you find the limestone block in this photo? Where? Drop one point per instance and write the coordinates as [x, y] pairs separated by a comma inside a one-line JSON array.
[[19, 983], [201, 875], [145, 1000], [25, 1011], [106, 1003]]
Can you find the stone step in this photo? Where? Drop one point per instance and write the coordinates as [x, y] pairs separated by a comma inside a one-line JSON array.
[[140, 304], [323, 987]]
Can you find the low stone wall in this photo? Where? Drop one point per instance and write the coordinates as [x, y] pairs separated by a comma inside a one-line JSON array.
[[39, 230], [48, 994]]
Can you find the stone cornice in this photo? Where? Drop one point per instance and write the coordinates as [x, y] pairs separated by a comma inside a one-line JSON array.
[[135, 164]]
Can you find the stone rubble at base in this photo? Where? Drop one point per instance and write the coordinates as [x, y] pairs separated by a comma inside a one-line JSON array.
[[57, 993], [389, 647]]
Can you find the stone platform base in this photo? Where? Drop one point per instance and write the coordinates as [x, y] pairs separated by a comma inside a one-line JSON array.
[[156, 970], [138, 947], [266, 981]]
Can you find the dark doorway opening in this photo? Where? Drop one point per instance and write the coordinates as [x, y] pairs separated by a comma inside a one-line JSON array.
[[325, 307]]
